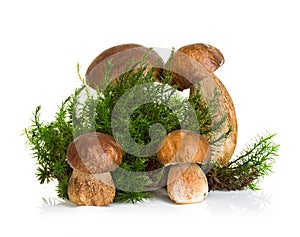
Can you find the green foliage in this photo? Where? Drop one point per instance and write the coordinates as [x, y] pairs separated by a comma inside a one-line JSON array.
[[96, 110], [132, 197], [49, 142], [246, 170], [62, 187], [166, 108]]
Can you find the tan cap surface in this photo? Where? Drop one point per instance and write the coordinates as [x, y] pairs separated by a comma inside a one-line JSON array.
[[192, 63], [183, 146], [94, 153], [121, 56]]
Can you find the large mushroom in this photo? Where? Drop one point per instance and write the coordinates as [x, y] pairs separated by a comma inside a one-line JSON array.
[[183, 149], [92, 156], [196, 63], [122, 56]]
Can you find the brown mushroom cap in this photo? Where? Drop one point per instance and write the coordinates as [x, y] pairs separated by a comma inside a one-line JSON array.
[[121, 56], [183, 146], [194, 62], [94, 153], [207, 55]]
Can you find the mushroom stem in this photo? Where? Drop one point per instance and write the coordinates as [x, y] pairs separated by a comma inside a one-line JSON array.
[[193, 91], [196, 63], [91, 189], [187, 183]]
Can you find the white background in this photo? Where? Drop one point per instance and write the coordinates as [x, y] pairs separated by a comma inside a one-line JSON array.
[[40, 44]]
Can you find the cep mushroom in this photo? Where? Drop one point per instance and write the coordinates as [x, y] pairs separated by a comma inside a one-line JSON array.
[[183, 149], [194, 63], [122, 56], [92, 156]]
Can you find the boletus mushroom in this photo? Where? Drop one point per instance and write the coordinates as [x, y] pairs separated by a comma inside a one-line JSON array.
[[122, 56], [196, 63], [183, 149], [92, 156]]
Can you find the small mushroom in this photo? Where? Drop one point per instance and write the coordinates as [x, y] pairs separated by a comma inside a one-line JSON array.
[[92, 156], [183, 149], [122, 56], [193, 64]]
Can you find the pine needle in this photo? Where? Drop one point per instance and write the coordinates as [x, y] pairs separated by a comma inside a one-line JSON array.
[[246, 170]]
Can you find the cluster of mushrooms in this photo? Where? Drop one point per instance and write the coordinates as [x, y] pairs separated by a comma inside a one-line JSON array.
[[94, 155]]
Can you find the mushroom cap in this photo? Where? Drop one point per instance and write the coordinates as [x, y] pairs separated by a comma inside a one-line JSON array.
[[94, 153], [187, 183], [192, 63], [121, 56], [207, 55], [183, 146]]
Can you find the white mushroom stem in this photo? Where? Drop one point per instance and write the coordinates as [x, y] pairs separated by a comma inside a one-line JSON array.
[[187, 183]]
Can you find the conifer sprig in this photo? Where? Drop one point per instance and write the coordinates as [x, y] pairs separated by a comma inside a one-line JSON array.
[[247, 169]]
